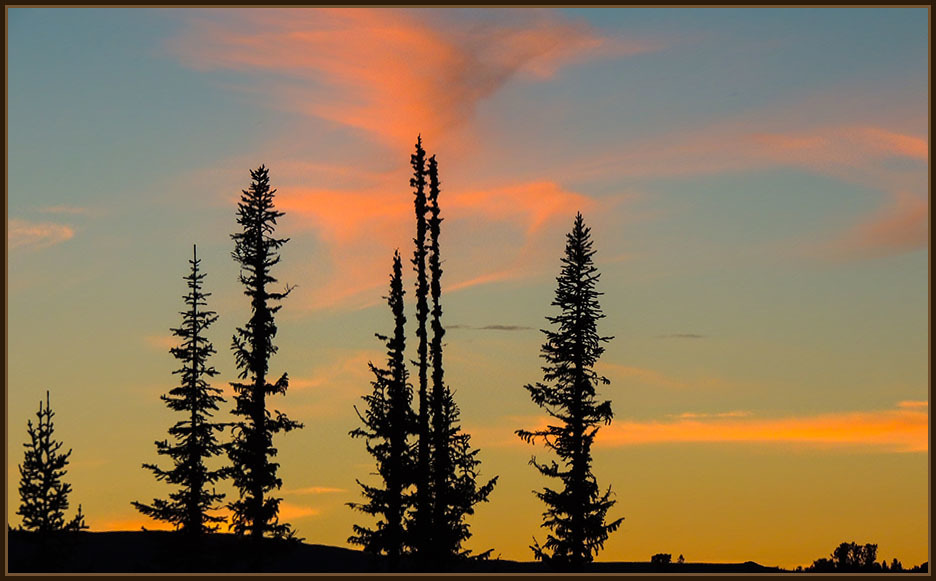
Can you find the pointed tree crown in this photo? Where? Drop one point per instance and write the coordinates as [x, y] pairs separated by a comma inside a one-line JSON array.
[[194, 436], [43, 492], [576, 514], [256, 250]]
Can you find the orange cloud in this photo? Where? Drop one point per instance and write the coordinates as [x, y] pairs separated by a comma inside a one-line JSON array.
[[161, 342], [530, 204], [314, 490], [335, 375], [388, 71], [36, 235], [904, 429], [334, 386], [899, 430], [130, 524], [913, 404], [902, 226], [361, 228], [289, 511]]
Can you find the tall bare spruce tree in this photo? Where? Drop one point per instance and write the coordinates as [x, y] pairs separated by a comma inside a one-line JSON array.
[[389, 422], [251, 451], [576, 513], [194, 435], [43, 492], [421, 525], [453, 471]]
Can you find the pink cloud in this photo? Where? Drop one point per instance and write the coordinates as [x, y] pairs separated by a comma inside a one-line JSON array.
[[65, 209], [35, 235], [488, 278], [859, 154], [902, 226], [850, 152], [388, 71], [827, 148]]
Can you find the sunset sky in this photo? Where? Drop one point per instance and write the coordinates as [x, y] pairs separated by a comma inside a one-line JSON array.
[[756, 181]]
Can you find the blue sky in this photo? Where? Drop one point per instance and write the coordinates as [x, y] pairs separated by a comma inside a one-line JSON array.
[[756, 181]]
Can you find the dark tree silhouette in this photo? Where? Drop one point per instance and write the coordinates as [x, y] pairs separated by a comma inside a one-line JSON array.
[[443, 537], [576, 513], [43, 493], [253, 471], [453, 470], [195, 440], [422, 522], [848, 557], [388, 424]]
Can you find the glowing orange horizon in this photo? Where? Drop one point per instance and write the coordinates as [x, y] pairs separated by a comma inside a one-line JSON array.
[[904, 429]]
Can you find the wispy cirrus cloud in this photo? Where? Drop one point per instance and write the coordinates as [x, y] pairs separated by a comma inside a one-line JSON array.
[[899, 227], [850, 152], [362, 241], [334, 376], [390, 74], [25, 234], [65, 209], [886, 152], [334, 385], [387, 71]]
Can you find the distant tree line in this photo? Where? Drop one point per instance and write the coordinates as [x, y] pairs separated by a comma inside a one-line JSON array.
[[854, 558]]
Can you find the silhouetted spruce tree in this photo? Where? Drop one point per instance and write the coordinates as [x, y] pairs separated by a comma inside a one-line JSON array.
[[253, 471], [453, 470], [388, 424], [43, 493], [421, 525], [575, 513], [195, 441]]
